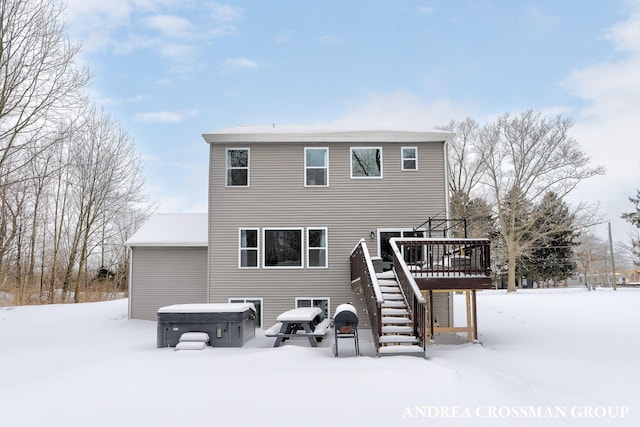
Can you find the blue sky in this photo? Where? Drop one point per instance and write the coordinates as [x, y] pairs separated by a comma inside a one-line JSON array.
[[170, 70]]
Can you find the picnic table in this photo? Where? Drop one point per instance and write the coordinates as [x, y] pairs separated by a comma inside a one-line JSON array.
[[304, 322]]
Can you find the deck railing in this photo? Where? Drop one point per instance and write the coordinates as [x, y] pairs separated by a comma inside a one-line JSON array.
[[417, 304], [445, 257], [363, 279]]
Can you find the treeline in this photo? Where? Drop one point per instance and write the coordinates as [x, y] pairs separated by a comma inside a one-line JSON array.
[[509, 177], [70, 178]]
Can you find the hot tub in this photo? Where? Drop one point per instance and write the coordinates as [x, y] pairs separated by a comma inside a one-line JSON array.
[[228, 325]]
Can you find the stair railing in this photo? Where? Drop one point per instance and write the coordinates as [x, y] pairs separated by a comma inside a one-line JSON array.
[[363, 274], [416, 303]]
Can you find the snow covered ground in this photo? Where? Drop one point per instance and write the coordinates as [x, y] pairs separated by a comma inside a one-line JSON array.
[[549, 357]]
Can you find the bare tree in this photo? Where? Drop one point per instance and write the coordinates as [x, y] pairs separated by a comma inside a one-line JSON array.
[[465, 160], [38, 75], [526, 157], [108, 176]]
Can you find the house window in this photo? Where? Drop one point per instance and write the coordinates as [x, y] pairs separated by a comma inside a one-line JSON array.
[[323, 303], [317, 247], [316, 167], [366, 162], [248, 248], [237, 167], [409, 158], [282, 248], [384, 246], [257, 302]]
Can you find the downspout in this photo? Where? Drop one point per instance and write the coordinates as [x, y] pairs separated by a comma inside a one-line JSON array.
[[445, 147], [130, 280], [447, 211]]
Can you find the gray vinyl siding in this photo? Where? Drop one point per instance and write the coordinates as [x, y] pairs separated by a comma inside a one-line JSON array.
[[164, 276], [349, 208], [442, 308]]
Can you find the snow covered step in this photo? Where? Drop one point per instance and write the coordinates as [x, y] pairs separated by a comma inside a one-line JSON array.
[[389, 290], [394, 304], [393, 339], [401, 349], [384, 282], [386, 275], [394, 297], [194, 337], [395, 329], [396, 321], [191, 345], [394, 312]]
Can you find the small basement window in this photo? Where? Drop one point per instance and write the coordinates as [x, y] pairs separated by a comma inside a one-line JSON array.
[[323, 303], [257, 302]]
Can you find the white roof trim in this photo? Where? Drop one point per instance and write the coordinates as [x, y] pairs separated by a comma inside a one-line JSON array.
[[324, 134]]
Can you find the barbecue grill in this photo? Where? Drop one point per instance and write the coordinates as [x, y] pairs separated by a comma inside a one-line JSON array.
[[345, 325]]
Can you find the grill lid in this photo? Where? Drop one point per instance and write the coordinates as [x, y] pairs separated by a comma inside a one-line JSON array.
[[346, 318]]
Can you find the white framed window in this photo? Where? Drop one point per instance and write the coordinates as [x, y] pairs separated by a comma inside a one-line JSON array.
[[384, 247], [237, 167], [257, 302], [366, 162], [248, 244], [316, 167], [323, 303], [282, 248], [409, 158], [317, 249]]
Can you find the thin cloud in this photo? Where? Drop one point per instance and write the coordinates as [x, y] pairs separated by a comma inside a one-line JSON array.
[[171, 26], [241, 63], [401, 110], [606, 124], [164, 116], [425, 10], [327, 40], [283, 37], [538, 22], [124, 26]]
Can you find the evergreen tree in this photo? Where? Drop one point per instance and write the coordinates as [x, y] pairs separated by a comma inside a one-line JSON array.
[[552, 257], [634, 219]]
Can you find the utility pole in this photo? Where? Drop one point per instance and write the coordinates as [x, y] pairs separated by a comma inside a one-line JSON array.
[[613, 263]]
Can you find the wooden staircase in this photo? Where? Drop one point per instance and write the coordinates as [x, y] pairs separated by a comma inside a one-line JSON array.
[[397, 327]]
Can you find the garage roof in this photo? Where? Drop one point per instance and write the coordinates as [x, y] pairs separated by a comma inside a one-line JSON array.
[[175, 229]]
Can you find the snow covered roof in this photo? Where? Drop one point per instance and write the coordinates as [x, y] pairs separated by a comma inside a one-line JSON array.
[[178, 229], [279, 133]]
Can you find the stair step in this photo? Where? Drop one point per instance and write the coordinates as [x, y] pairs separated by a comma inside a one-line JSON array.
[[396, 321], [394, 312], [392, 297], [386, 275], [392, 339], [389, 290], [386, 282], [401, 349], [394, 329], [394, 304]]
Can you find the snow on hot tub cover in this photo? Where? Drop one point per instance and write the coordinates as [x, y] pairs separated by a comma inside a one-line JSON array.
[[232, 307]]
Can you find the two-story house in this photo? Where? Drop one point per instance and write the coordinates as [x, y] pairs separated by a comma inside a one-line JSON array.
[[287, 208]]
